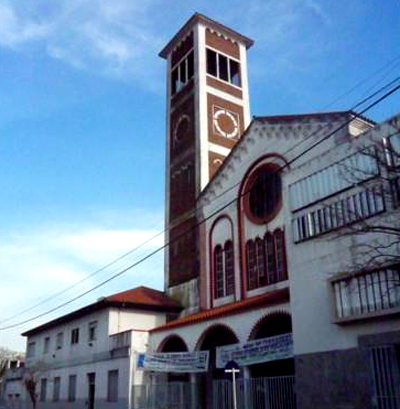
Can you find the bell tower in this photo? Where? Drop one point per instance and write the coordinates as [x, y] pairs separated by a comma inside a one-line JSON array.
[[207, 112]]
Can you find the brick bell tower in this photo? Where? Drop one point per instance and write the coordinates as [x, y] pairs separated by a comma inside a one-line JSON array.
[[207, 112]]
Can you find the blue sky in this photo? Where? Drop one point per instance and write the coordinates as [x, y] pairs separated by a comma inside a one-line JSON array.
[[82, 122]]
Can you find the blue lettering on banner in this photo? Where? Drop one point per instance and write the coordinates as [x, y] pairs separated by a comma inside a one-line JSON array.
[[255, 352]]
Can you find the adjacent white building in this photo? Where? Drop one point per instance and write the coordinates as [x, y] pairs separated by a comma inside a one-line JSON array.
[[12, 391], [87, 359]]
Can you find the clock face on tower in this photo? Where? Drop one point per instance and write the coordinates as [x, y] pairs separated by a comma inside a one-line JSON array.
[[226, 123]]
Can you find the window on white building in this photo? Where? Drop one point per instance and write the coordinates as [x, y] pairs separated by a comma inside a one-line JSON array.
[[92, 333], [56, 389], [266, 260], [112, 392], [43, 390], [265, 194], [72, 388], [46, 345], [59, 340], [31, 349], [75, 336], [224, 270]]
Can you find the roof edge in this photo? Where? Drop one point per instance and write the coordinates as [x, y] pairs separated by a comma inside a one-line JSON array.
[[99, 305], [248, 304], [313, 115], [200, 18]]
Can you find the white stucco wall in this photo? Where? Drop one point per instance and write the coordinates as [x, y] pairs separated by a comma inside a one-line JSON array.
[[121, 320], [71, 352], [97, 356], [310, 263]]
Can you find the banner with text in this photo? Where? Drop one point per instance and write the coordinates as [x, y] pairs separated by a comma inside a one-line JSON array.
[[256, 352], [173, 361]]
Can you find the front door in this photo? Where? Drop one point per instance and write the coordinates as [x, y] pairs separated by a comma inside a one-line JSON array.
[[91, 389]]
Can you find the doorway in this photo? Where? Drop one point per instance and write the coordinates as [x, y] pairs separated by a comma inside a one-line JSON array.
[[216, 336], [91, 389]]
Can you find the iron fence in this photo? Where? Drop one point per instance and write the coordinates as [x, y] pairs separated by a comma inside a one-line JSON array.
[[386, 375], [255, 393], [174, 395]]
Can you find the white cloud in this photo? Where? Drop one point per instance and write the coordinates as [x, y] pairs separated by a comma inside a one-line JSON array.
[[121, 38], [104, 244], [15, 30], [111, 39], [36, 264]]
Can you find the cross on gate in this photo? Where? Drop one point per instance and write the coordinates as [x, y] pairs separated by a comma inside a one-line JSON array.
[[233, 368]]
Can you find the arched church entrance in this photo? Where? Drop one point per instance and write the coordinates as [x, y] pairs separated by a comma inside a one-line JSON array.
[[216, 336], [175, 343], [271, 325]]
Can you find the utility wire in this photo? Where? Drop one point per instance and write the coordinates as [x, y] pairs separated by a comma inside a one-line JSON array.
[[393, 62], [85, 278], [165, 245], [224, 192], [352, 109]]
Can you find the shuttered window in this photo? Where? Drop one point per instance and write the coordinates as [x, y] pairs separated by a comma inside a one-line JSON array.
[[112, 391]]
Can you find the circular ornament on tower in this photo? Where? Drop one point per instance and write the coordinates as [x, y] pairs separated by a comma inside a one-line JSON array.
[[226, 123], [181, 129]]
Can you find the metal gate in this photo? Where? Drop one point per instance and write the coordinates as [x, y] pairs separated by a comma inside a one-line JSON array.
[[173, 395], [256, 393], [385, 369]]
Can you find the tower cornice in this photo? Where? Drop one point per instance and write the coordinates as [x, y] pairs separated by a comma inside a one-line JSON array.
[[209, 23]]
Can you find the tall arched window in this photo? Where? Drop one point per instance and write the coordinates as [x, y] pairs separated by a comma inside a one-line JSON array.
[[224, 270], [271, 261], [260, 255], [266, 260], [251, 265], [229, 268], [219, 272], [280, 257]]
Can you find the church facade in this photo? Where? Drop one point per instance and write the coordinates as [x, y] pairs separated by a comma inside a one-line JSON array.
[[263, 254]]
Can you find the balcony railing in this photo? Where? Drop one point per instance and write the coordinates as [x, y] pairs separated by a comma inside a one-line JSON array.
[[120, 340], [340, 213], [367, 293]]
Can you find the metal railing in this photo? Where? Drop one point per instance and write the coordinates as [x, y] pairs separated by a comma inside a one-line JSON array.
[[254, 393], [368, 292], [174, 395], [120, 340], [386, 376]]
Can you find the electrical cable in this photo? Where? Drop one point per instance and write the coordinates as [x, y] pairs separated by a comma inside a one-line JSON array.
[[85, 278], [227, 190], [165, 245]]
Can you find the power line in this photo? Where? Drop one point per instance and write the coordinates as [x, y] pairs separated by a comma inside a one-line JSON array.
[[394, 60], [353, 108], [85, 278], [165, 245]]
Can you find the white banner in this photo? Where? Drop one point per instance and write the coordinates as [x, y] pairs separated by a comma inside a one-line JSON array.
[[255, 352], [173, 361]]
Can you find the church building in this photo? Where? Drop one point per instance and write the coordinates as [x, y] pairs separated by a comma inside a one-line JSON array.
[[256, 210], [282, 262]]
